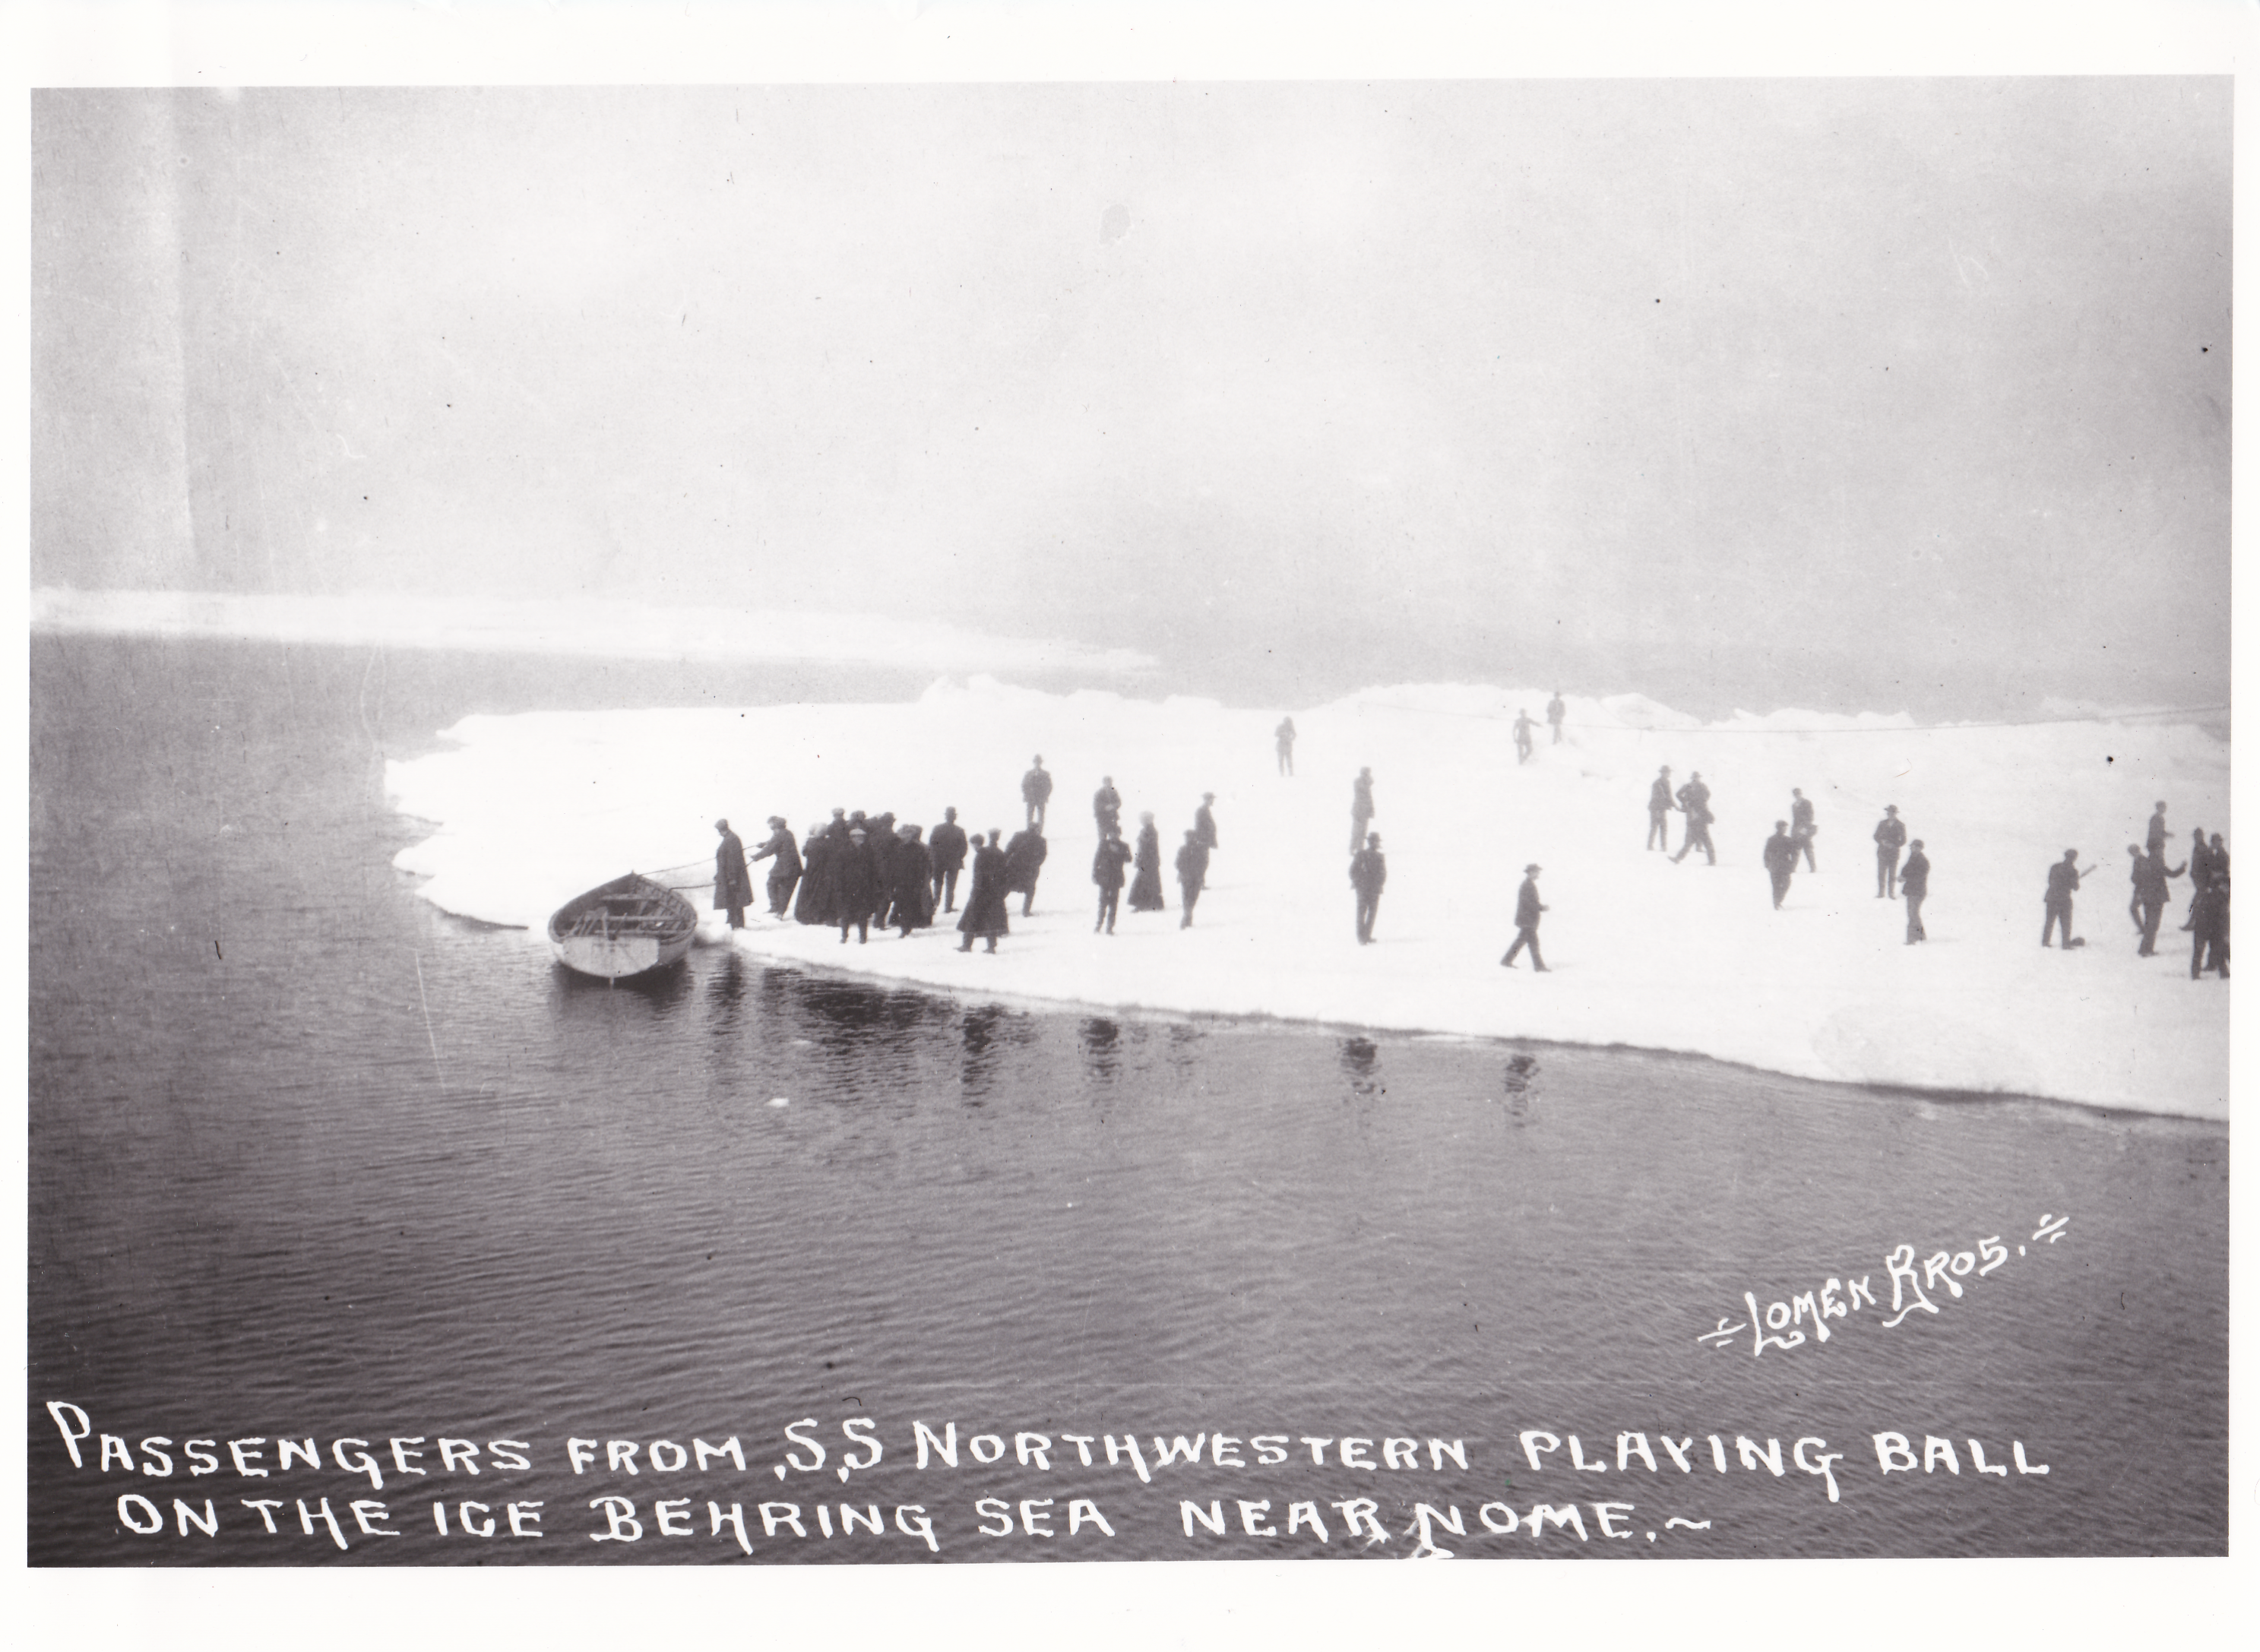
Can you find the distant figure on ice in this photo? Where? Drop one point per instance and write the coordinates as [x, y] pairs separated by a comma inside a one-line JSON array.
[[1106, 872], [2154, 841], [1659, 809], [2148, 875], [1146, 887], [985, 914], [1036, 791], [947, 844], [1361, 808], [1914, 883], [2062, 883], [1695, 802], [1890, 838], [1801, 826], [1367, 872], [1193, 874], [1283, 736], [856, 885], [1205, 823], [1557, 709], [2218, 859], [733, 888], [1780, 860], [912, 870], [786, 872], [1527, 908], [1106, 806], [1523, 725], [1024, 859], [2200, 876], [819, 852], [2209, 948]]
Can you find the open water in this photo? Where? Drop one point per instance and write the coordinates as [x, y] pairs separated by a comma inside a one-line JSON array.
[[309, 1160]]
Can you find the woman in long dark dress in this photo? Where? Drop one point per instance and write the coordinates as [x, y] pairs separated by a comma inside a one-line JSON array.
[[817, 851], [1145, 889], [985, 908]]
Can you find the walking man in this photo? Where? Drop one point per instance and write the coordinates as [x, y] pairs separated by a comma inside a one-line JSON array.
[[2062, 883], [786, 872], [1284, 735], [1890, 838], [1035, 791], [1659, 808], [1801, 826], [1555, 710], [1522, 727], [1695, 803], [1193, 874], [947, 842], [1361, 808], [1106, 872], [1367, 872], [1527, 908], [734, 887], [1780, 860], [1914, 883], [2148, 875]]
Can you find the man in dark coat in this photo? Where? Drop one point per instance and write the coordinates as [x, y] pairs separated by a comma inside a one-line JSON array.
[[1914, 883], [1801, 826], [1557, 709], [1205, 823], [984, 913], [912, 870], [1527, 908], [1890, 838], [1146, 890], [947, 844], [2209, 950], [2156, 840], [1283, 737], [2148, 875], [1361, 808], [1695, 803], [1024, 859], [2200, 876], [1036, 791], [1106, 806], [1193, 874], [2062, 883], [880, 840], [855, 886], [786, 872], [1106, 872], [1780, 860], [819, 859], [1660, 807], [733, 888], [1367, 872]]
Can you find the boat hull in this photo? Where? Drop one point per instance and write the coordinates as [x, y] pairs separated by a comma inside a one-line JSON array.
[[629, 926], [619, 957]]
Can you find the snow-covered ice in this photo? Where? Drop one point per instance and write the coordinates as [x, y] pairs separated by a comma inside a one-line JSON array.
[[530, 809]]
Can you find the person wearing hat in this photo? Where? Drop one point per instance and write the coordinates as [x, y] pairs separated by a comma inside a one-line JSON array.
[[984, 913], [2209, 943], [1659, 807], [1106, 872], [2148, 875], [1890, 838], [1106, 807], [734, 887], [1557, 709], [1035, 791], [2156, 842], [1527, 908], [1361, 807], [1367, 872], [786, 872], [855, 886], [1914, 883], [947, 844], [1801, 826], [2062, 881], [1193, 874], [1780, 860], [1205, 823]]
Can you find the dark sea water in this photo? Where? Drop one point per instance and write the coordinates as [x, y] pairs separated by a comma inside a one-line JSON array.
[[309, 1160]]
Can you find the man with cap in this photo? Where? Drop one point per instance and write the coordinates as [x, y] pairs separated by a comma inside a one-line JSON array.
[[786, 872], [1106, 807], [857, 886], [1780, 860], [1193, 874], [1035, 791], [1890, 838], [1914, 883], [947, 844], [1361, 807], [1659, 807], [2148, 875], [1367, 872], [2062, 881], [733, 886], [1527, 908], [1106, 872]]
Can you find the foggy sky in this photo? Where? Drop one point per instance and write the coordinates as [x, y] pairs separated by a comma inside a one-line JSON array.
[[1852, 394]]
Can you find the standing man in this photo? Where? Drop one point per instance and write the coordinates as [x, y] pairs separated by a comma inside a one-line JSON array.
[[947, 844], [734, 887], [984, 913], [1522, 727], [1284, 736], [1106, 872], [1193, 874], [1035, 791], [786, 872], [1660, 807], [2156, 840], [2209, 950], [1527, 908], [2063, 882], [1801, 826], [2148, 875], [1106, 806], [1890, 838], [1780, 860], [2200, 876], [1024, 859], [1367, 872], [857, 882], [1361, 808], [1555, 710], [1205, 823], [1914, 883], [1695, 803]]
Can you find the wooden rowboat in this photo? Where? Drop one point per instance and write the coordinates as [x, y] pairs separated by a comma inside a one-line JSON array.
[[623, 928]]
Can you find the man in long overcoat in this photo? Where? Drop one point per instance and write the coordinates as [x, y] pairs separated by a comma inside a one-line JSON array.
[[1914, 883], [984, 913], [1780, 860], [1193, 874], [947, 844], [912, 871], [855, 886], [734, 887], [1890, 838], [1528, 906], [2148, 875], [1024, 859], [1036, 793], [1106, 806], [1145, 889], [1367, 872]]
